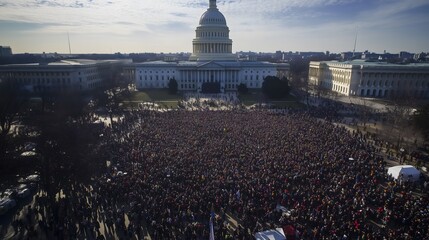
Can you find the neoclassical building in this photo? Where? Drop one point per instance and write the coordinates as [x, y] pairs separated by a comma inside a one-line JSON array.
[[64, 75], [371, 79], [212, 60]]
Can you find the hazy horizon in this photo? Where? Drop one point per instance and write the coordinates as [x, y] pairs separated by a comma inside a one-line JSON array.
[[168, 26]]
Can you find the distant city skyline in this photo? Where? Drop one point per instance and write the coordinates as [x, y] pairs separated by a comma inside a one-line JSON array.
[[133, 26]]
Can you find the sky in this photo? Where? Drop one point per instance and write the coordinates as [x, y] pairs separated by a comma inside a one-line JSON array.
[[132, 26]]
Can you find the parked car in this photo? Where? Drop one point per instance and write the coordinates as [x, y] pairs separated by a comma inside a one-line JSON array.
[[32, 178], [6, 204], [9, 193], [23, 193]]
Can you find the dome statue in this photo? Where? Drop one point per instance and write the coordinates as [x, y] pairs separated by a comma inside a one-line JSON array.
[[212, 40], [212, 16]]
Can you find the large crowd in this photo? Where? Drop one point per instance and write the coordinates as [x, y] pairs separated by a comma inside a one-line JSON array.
[[255, 169], [245, 164]]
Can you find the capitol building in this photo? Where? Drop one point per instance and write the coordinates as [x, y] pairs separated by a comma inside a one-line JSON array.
[[212, 61], [371, 79]]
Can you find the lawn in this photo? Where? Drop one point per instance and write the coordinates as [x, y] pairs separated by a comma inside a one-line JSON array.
[[154, 95], [255, 97], [251, 98], [289, 104], [159, 96]]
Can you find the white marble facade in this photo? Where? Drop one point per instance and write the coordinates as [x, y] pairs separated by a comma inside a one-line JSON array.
[[212, 60], [371, 79]]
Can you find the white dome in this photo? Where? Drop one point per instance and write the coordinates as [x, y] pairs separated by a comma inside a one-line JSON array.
[[212, 17], [212, 40]]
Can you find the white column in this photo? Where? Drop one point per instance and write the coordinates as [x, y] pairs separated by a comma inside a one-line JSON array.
[[193, 76]]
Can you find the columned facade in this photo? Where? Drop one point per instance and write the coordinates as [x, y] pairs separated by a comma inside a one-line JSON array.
[[371, 79], [212, 40], [64, 75], [212, 60]]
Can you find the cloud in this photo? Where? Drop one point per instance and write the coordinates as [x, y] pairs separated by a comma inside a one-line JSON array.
[[269, 19], [179, 14], [16, 26], [147, 11]]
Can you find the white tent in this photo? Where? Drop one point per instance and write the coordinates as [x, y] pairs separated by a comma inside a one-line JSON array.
[[404, 172], [275, 234]]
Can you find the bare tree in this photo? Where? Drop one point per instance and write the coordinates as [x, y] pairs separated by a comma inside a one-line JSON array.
[[364, 109], [399, 117], [12, 100]]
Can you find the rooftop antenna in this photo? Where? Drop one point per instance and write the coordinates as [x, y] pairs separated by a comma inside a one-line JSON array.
[[68, 37], [354, 48]]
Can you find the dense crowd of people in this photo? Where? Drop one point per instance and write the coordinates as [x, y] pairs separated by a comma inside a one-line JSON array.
[[256, 169], [245, 164]]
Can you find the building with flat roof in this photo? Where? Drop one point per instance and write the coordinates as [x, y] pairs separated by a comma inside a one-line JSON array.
[[74, 74], [5, 51], [371, 79], [212, 61]]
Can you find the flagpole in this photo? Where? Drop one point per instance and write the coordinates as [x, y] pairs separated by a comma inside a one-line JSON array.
[[212, 215], [211, 230]]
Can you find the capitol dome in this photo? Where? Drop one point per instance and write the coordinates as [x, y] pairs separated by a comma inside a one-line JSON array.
[[212, 40], [212, 17]]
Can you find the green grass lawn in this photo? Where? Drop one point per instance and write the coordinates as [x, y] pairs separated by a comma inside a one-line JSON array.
[[163, 98], [159, 96], [251, 98], [255, 97], [154, 95]]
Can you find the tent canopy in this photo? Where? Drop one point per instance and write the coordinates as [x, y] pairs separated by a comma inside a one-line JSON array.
[[404, 172], [274, 234]]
